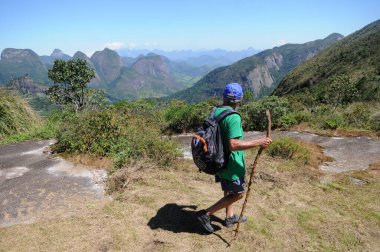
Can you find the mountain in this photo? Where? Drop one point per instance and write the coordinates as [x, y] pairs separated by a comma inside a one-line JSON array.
[[56, 54], [208, 58], [121, 78], [128, 61], [260, 73], [357, 56], [15, 63], [149, 76], [81, 55], [107, 64]]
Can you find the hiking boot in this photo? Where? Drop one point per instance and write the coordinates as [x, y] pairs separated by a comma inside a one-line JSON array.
[[233, 220], [205, 220]]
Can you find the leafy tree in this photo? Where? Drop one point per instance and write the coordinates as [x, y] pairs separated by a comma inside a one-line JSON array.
[[70, 82]]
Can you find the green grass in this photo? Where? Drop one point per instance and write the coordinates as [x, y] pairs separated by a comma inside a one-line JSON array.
[[45, 129], [16, 116], [332, 186]]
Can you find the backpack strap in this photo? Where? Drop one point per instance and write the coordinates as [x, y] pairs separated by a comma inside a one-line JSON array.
[[224, 114], [212, 113]]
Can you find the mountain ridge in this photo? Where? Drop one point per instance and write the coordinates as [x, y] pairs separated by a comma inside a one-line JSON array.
[[259, 73], [356, 56]]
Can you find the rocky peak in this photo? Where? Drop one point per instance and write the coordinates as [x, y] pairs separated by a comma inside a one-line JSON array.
[[80, 55], [26, 85], [151, 65], [57, 53], [17, 55], [108, 64]]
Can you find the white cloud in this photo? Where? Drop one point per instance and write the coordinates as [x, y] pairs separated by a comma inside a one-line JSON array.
[[115, 45]]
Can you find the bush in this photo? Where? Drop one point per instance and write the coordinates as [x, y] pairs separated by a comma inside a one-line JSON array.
[[181, 117], [254, 117], [327, 117], [286, 121], [288, 148], [117, 133], [375, 122], [357, 115], [331, 123]]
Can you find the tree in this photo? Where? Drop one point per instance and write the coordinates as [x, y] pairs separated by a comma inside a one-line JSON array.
[[70, 82]]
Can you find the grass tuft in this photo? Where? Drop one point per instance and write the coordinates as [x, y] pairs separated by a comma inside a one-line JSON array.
[[288, 148], [16, 115]]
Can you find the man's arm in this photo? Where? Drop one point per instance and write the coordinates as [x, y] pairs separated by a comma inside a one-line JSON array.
[[236, 144]]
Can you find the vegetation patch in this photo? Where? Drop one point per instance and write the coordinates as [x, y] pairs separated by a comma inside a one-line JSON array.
[[117, 133], [16, 116], [288, 148]]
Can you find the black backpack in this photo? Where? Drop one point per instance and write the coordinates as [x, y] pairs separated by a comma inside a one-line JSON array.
[[207, 144]]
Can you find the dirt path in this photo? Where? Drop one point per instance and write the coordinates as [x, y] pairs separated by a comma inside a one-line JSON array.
[[36, 186]]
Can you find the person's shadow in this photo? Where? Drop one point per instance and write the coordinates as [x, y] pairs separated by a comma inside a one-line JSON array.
[[180, 219]]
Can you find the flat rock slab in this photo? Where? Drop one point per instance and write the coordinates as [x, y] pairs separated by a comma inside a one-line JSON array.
[[36, 186], [349, 153]]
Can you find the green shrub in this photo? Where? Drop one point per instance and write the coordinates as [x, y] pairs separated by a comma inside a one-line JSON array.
[[118, 133], [182, 117], [288, 148], [254, 117], [375, 121], [302, 116], [286, 121], [357, 115]]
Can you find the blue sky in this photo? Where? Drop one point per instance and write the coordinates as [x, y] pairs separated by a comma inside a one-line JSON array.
[[89, 26]]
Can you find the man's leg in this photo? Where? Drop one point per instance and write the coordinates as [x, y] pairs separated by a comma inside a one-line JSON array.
[[233, 191], [224, 202], [229, 209], [204, 215]]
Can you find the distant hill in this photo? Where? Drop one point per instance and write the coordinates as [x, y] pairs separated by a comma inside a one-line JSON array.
[[26, 85], [149, 76], [16, 63], [357, 56], [107, 64], [260, 73], [56, 54], [196, 58], [121, 78]]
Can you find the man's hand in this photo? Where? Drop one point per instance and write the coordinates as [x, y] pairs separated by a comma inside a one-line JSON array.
[[265, 142]]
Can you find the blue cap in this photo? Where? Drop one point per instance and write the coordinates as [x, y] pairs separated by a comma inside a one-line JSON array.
[[233, 92]]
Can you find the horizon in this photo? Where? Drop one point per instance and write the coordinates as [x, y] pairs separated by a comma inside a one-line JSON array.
[[90, 26]]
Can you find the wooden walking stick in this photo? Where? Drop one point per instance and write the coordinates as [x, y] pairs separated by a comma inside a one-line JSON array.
[[251, 177]]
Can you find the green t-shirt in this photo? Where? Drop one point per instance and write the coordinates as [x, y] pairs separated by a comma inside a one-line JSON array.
[[231, 128]]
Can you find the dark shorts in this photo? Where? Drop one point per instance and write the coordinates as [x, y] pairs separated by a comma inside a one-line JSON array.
[[232, 187]]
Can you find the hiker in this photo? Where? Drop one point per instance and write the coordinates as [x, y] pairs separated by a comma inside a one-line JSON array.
[[232, 177]]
